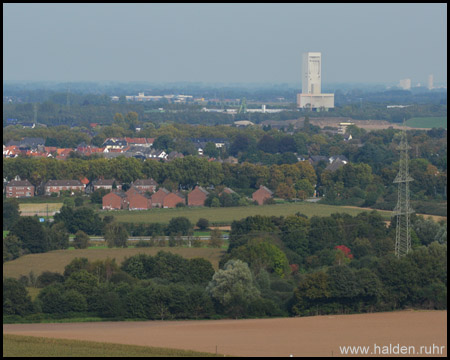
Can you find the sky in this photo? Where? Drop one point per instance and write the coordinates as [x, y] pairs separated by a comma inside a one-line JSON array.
[[226, 43]]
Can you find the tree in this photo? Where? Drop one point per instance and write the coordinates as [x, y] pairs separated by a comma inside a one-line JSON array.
[[115, 234], [200, 271], [16, 300], [31, 233], [211, 150], [10, 212], [58, 237], [12, 248], [233, 288], [203, 223], [81, 240], [215, 240], [179, 225]]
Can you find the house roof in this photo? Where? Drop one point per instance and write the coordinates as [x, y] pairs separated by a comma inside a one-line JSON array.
[[336, 164], [201, 189], [143, 182], [103, 182], [262, 187], [63, 183], [19, 183]]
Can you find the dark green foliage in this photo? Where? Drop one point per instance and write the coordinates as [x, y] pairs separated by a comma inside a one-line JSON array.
[[48, 278], [12, 248], [179, 225], [115, 235], [16, 300], [82, 218], [31, 234], [81, 240], [10, 213], [202, 223]]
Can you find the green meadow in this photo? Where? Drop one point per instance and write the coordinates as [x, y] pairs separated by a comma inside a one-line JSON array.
[[225, 216], [31, 346], [428, 122]]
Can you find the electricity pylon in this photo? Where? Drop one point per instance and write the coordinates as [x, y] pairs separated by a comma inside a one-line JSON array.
[[403, 209]]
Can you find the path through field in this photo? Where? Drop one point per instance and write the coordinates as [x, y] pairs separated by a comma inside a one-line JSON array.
[[306, 336]]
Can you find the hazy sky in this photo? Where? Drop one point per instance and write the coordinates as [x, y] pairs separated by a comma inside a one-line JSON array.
[[223, 42]]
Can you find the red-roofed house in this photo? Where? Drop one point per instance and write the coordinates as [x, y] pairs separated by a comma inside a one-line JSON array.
[[261, 195], [197, 196], [172, 199], [158, 197], [115, 201]]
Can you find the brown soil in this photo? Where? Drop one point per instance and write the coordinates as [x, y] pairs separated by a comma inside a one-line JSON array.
[[364, 124], [305, 336]]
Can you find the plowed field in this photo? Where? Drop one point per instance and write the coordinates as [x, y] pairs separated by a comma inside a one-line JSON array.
[[306, 336]]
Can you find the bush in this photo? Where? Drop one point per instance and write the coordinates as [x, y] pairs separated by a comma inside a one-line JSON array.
[[48, 278], [81, 240], [202, 223]]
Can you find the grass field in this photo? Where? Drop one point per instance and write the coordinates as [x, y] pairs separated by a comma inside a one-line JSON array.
[[5, 233], [428, 122], [27, 346], [227, 215], [40, 209], [57, 260]]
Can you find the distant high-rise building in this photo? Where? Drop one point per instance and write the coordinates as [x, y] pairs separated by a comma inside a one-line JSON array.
[[405, 84], [311, 96], [430, 82]]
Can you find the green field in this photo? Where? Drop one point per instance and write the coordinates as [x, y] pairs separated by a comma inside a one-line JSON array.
[[27, 346], [56, 260], [5, 233], [428, 122], [225, 216]]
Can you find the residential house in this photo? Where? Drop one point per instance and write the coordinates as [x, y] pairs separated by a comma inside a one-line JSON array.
[[157, 154], [115, 201], [56, 186], [19, 188], [114, 143], [172, 199], [174, 155], [227, 190], [315, 159], [138, 201], [197, 196], [158, 197], [262, 194], [105, 184], [336, 164], [145, 185]]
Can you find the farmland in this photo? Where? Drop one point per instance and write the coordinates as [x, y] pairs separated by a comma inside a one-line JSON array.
[[30, 209], [26, 346], [428, 122], [228, 214], [56, 260], [300, 336]]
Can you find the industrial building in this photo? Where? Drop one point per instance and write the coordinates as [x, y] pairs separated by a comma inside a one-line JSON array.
[[312, 97]]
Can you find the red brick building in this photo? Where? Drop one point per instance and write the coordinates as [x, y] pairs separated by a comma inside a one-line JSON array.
[[19, 188], [56, 186], [158, 197], [197, 196], [172, 199], [115, 201], [138, 201], [262, 194], [145, 185], [227, 190]]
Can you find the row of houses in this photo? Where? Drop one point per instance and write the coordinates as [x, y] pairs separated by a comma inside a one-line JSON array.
[[23, 188], [135, 199]]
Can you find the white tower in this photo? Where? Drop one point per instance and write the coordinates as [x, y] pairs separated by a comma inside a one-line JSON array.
[[430, 82], [311, 73]]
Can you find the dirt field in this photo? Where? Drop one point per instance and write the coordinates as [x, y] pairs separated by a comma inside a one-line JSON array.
[[364, 124], [307, 336], [57, 260]]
